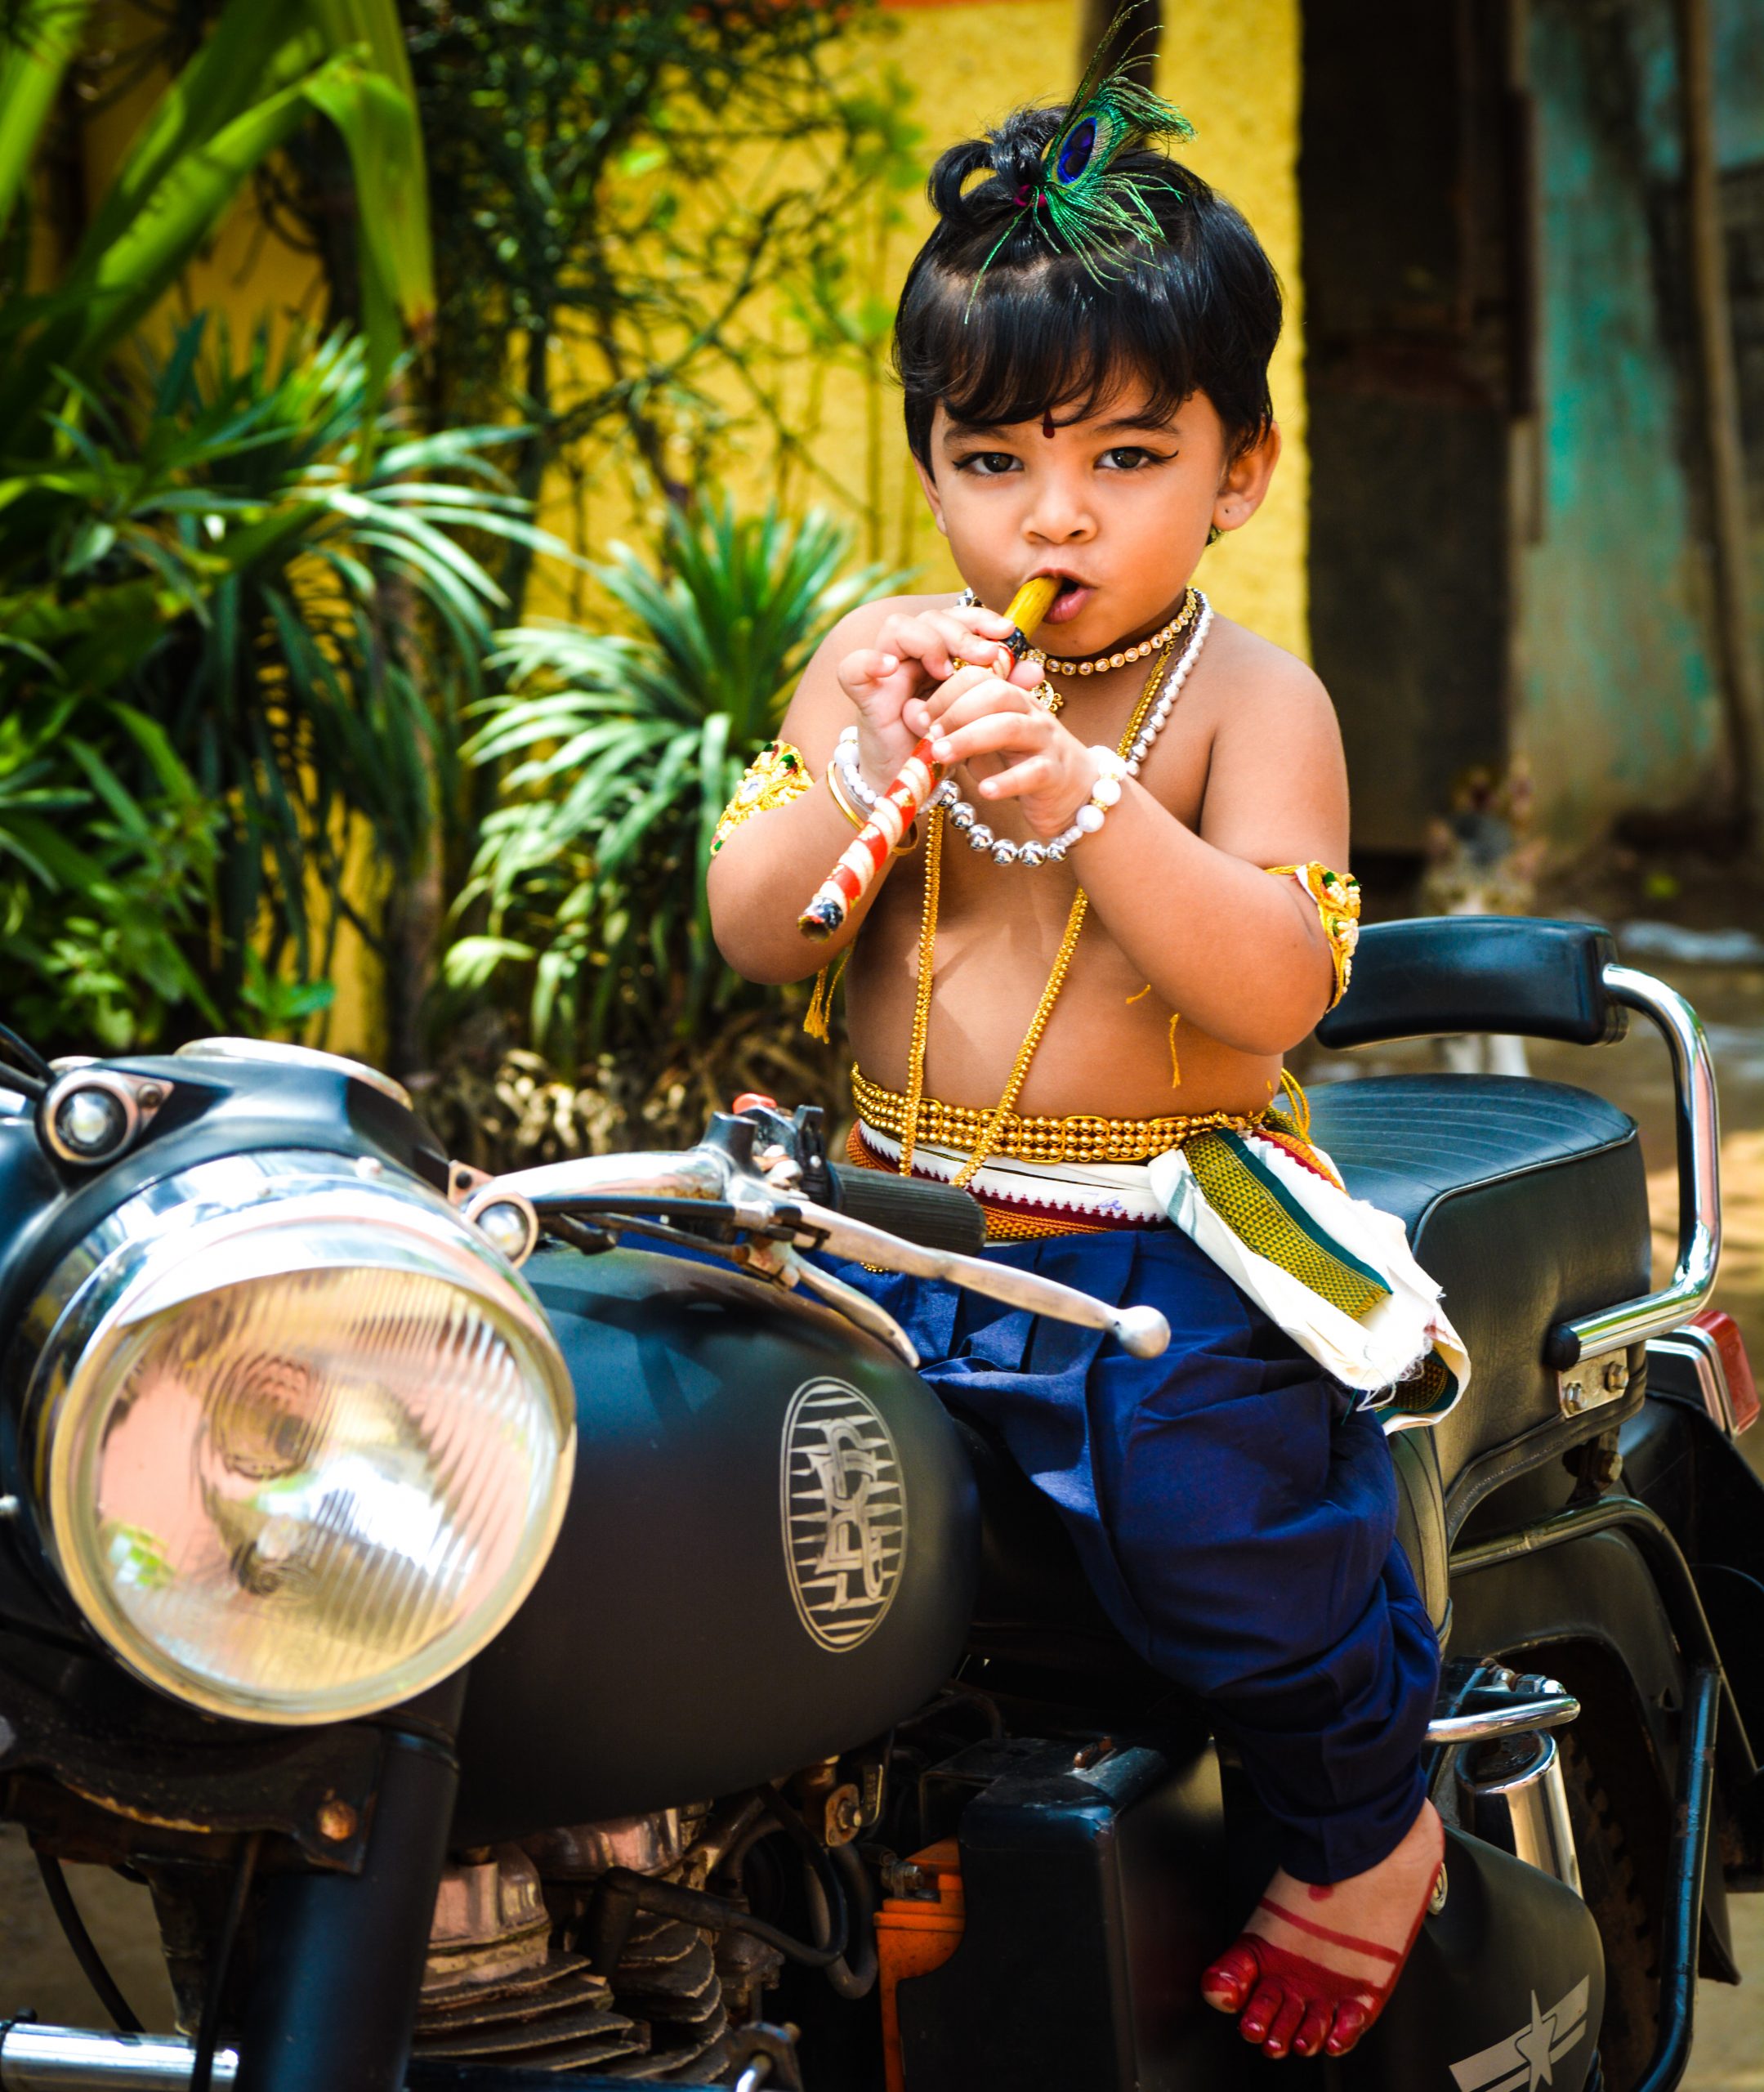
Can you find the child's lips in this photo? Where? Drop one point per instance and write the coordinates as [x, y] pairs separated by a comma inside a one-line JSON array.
[[1067, 604]]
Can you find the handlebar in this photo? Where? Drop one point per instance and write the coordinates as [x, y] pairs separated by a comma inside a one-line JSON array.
[[935, 1216], [721, 1177]]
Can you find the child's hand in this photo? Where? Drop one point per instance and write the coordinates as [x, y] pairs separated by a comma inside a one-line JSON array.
[[912, 656], [1014, 747]]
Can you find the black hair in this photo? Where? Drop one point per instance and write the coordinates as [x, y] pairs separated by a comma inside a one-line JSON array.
[[1035, 330]]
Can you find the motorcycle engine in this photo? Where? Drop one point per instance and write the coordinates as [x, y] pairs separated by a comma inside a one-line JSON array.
[[511, 1979]]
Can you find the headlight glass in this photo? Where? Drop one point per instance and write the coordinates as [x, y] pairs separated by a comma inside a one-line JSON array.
[[301, 1461]]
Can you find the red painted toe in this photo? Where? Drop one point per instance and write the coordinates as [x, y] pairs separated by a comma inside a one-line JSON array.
[[1261, 2012], [1286, 2024], [1313, 2029], [1351, 2021], [1227, 1984]]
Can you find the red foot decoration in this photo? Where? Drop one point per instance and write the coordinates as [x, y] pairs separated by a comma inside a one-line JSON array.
[[1288, 2001]]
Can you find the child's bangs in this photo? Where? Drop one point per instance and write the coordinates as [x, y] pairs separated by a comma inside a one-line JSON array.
[[1034, 342]]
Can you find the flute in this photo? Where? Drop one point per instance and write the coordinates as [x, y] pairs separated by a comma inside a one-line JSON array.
[[904, 800]]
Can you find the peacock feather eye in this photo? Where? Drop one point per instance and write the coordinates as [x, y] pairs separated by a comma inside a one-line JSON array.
[[1080, 199], [1075, 151]]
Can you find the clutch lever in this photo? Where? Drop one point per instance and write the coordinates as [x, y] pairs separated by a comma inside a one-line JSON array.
[[1141, 1331], [711, 1174]]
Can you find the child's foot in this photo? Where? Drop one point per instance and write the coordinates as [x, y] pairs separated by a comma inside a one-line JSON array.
[[1312, 1968]]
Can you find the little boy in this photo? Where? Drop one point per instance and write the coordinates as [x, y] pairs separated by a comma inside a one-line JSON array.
[[1072, 989]]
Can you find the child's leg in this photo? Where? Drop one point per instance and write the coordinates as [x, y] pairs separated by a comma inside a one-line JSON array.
[[1264, 1568], [1238, 1526], [1314, 1965]]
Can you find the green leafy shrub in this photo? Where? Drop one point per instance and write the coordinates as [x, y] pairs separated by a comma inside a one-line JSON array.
[[220, 552], [622, 749]]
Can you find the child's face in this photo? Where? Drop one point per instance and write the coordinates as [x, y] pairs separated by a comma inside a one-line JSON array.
[[1119, 506]]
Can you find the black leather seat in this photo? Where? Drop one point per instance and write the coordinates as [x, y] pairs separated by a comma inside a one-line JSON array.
[[1526, 1200]]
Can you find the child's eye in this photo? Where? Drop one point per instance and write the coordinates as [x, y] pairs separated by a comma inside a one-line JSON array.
[[988, 464], [1130, 458]]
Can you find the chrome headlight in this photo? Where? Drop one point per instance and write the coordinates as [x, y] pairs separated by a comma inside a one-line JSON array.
[[299, 1439]]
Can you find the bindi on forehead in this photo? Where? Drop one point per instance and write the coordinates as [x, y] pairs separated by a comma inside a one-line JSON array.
[[1047, 424]]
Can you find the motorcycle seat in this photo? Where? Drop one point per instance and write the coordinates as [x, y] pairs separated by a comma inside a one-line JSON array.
[[1526, 1200]]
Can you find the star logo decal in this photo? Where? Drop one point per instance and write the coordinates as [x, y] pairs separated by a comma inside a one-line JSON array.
[[1533, 2044], [1528, 2057]]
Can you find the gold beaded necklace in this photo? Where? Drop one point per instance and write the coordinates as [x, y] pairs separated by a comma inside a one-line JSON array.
[[927, 941], [1100, 663]]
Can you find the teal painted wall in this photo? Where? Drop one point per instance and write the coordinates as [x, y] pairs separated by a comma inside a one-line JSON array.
[[1619, 706]]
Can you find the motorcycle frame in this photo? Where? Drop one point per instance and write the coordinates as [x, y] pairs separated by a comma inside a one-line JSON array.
[[337, 1926]]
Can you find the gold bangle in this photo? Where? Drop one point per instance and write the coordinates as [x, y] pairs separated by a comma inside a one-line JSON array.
[[845, 806]]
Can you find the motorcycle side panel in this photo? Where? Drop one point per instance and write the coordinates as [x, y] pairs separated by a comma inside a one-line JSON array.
[[1506, 1986], [681, 1643], [1094, 1900]]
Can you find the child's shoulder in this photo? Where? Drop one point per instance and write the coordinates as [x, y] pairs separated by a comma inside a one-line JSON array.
[[1254, 688], [860, 626]]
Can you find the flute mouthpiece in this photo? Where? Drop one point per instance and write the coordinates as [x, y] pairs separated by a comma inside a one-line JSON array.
[[1032, 602]]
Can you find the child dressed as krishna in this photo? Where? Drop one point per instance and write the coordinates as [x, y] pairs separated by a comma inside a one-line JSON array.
[[1071, 990]]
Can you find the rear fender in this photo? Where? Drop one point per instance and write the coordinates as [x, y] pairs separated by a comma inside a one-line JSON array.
[[1680, 1465]]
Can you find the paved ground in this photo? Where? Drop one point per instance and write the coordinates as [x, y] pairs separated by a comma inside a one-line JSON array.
[[38, 1973]]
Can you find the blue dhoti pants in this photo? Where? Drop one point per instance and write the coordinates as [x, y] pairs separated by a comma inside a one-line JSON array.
[[1235, 1512]]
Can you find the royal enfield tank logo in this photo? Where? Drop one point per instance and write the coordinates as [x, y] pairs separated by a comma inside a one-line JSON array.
[[844, 1507], [1528, 2058]]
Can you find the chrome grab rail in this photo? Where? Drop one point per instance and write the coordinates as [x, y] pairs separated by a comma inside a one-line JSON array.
[[1699, 1206]]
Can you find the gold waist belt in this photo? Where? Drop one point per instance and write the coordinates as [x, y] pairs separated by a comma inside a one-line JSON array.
[[1079, 1137]]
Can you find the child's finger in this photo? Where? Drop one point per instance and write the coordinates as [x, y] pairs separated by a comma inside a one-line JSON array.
[[868, 664], [943, 699], [964, 698], [990, 735], [1039, 773], [982, 622]]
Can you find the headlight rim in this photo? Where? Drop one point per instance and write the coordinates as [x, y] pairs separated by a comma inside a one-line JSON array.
[[73, 1377]]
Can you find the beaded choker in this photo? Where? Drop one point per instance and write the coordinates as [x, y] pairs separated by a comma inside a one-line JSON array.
[[1100, 663]]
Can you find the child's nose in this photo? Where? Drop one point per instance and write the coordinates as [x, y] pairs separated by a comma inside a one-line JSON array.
[[1059, 515]]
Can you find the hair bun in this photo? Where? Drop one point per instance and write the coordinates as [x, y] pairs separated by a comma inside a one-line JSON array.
[[1010, 158]]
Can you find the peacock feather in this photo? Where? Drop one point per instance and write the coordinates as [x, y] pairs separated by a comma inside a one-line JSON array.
[[1081, 200]]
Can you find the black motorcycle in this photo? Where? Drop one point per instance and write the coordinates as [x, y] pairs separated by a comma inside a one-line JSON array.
[[512, 1654]]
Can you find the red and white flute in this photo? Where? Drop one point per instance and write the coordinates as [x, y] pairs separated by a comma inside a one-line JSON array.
[[904, 800]]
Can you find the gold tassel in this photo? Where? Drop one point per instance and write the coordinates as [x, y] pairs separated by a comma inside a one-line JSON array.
[[818, 1022], [1176, 1066], [1301, 1104], [1140, 997]]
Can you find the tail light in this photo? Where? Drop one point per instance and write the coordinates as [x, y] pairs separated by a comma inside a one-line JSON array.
[[1730, 1347]]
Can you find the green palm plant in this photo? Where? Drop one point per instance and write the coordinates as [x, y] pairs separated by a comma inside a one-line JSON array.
[[218, 552], [622, 750], [80, 956], [266, 68]]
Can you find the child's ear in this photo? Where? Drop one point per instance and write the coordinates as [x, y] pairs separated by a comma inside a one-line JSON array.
[[1245, 486], [934, 501]]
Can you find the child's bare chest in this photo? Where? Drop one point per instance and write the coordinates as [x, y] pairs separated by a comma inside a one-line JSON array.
[[1000, 932]]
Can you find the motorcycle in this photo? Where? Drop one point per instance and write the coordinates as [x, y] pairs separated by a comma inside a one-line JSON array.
[[514, 1651]]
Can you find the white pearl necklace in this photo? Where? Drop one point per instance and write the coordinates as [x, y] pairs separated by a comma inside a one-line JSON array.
[[965, 819]]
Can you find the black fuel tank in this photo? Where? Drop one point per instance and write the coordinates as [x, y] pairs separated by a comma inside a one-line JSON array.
[[769, 1554]]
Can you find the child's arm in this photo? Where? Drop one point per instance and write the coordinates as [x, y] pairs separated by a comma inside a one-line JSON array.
[[1243, 956], [863, 674]]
